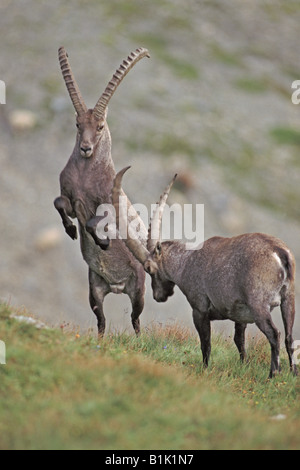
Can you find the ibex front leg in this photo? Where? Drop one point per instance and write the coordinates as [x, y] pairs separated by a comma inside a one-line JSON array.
[[202, 324], [91, 228], [63, 206], [136, 291]]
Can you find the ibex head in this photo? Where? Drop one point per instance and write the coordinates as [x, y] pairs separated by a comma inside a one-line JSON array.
[[152, 256], [91, 123]]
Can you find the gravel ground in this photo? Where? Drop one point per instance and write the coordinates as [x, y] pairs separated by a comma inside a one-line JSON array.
[[213, 103]]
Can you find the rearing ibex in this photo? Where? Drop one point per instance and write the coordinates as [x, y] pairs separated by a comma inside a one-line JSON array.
[[241, 278], [86, 182]]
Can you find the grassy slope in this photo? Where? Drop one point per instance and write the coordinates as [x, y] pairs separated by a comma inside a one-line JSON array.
[[61, 391]]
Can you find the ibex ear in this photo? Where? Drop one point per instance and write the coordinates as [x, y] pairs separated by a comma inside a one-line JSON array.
[[157, 250], [150, 266], [104, 244]]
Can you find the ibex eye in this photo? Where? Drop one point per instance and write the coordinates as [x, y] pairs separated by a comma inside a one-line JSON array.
[[77, 125], [99, 128]]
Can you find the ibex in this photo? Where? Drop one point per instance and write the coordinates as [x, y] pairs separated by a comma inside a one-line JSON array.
[[86, 182], [241, 279]]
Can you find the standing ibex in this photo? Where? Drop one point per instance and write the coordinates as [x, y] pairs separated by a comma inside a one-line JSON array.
[[241, 278], [86, 182]]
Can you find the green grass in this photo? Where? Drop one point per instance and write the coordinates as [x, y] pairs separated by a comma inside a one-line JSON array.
[[251, 85], [158, 46], [220, 54], [60, 390], [286, 135]]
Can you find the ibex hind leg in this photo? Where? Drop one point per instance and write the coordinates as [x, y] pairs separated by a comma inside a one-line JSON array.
[[98, 290], [136, 293], [264, 322], [288, 317]]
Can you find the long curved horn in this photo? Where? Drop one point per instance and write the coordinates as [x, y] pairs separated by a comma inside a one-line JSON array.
[[121, 72], [70, 82], [131, 241], [154, 233]]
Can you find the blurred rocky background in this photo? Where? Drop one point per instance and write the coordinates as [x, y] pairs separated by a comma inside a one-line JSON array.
[[213, 104]]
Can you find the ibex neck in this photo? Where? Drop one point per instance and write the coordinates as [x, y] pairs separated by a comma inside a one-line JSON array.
[[174, 259], [102, 150]]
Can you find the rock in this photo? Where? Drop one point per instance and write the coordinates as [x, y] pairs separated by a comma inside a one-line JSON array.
[[30, 321], [22, 120], [48, 239], [279, 417]]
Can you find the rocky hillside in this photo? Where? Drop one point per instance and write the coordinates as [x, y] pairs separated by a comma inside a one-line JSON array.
[[213, 103]]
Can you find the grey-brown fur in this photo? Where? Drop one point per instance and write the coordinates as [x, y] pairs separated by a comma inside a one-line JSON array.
[[86, 182], [241, 278]]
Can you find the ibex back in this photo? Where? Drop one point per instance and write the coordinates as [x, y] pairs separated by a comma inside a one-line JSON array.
[[86, 182]]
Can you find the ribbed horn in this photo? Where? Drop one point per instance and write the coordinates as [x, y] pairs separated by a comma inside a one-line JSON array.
[[121, 72], [154, 233], [134, 245], [70, 82]]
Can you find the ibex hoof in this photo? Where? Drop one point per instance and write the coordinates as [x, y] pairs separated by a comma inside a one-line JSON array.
[[72, 231], [104, 244]]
